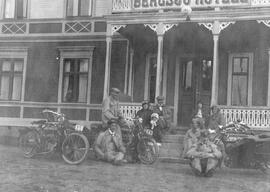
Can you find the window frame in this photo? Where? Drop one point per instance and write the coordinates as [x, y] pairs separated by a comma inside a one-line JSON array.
[[15, 10], [250, 56], [16, 53], [75, 52], [90, 10]]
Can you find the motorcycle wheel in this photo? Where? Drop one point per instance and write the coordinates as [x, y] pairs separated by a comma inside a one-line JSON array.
[[147, 150], [28, 143], [75, 148]]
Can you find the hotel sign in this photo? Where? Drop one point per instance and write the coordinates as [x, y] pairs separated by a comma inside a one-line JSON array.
[[137, 5]]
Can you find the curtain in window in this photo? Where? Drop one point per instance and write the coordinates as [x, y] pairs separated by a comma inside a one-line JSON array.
[[239, 90], [4, 87], [85, 7], [9, 8]]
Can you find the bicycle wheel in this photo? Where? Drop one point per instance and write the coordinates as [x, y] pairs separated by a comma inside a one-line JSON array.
[[28, 143], [147, 150], [75, 148]]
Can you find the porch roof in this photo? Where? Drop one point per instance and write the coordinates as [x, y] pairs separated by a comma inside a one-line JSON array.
[[196, 16]]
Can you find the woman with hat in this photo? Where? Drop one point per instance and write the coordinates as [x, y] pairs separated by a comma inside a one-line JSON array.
[[144, 115]]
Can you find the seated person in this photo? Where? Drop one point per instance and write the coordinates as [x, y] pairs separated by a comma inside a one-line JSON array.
[[204, 156], [200, 113], [216, 119], [144, 115], [164, 113], [158, 130], [191, 136], [109, 146]]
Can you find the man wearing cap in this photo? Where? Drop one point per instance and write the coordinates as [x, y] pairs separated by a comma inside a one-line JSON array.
[[109, 146], [144, 115], [164, 113], [111, 110]]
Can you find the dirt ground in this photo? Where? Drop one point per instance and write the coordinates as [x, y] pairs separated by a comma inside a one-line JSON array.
[[52, 174]]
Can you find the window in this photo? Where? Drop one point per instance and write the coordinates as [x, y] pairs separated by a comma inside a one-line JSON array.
[[240, 79], [15, 9], [187, 75], [206, 75], [79, 8], [11, 77], [75, 80], [75, 74]]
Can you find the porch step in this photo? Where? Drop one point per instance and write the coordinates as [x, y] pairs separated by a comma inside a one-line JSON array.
[[171, 149]]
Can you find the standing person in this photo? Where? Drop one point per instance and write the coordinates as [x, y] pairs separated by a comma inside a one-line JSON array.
[[164, 113], [111, 110], [109, 146], [204, 156], [144, 115], [216, 119]]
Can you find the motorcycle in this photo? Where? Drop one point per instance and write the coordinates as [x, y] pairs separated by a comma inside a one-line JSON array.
[[55, 133], [140, 143], [244, 148]]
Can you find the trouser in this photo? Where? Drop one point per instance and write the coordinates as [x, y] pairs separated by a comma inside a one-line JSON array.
[[203, 166], [114, 157]]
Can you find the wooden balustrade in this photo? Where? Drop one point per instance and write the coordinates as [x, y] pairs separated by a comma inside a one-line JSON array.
[[253, 117]]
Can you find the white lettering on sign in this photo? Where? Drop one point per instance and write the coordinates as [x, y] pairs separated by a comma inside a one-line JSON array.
[[167, 4]]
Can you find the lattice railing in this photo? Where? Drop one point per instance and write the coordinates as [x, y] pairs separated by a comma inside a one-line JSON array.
[[13, 28], [253, 117], [78, 27], [129, 110]]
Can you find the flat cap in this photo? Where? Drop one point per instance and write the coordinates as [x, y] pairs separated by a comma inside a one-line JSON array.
[[160, 98], [145, 102], [115, 90], [111, 121]]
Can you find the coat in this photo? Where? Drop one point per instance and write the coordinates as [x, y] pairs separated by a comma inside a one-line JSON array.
[[108, 146]]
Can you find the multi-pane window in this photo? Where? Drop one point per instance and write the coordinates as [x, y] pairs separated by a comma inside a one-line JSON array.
[[75, 80], [79, 7], [15, 9], [240, 80], [11, 76]]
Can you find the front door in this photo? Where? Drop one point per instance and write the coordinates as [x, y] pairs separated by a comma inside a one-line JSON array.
[[194, 75]]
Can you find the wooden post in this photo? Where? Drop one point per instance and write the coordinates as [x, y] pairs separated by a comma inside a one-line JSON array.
[[214, 94], [268, 92], [108, 62], [160, 34]]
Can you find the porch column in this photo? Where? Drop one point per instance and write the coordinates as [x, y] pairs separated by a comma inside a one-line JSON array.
[[160, 35], [215, 75], [268, 91], [130, 73], [108, 62]]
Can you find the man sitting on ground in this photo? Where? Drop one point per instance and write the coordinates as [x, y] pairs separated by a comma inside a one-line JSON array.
[[204, 156], [109, 146]]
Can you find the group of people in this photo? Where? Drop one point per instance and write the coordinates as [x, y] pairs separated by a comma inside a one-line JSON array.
[[204, 154], [109, 143]]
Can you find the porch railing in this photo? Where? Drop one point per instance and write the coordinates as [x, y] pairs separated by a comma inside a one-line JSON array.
[[129, 110], [258, 117]]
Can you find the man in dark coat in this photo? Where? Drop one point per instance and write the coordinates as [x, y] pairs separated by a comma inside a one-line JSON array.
[[164, 113]]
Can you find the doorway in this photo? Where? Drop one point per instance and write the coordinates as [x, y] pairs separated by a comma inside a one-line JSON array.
[[194, 78]]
